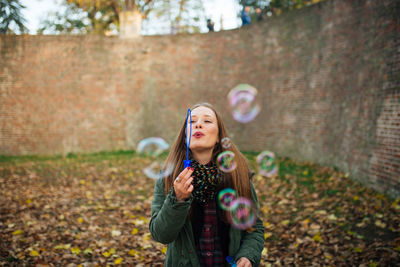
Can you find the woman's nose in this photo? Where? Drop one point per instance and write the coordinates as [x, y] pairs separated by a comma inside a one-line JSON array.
[[198, 125]]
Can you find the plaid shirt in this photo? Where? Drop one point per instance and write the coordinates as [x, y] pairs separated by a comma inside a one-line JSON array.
[[209, 247]]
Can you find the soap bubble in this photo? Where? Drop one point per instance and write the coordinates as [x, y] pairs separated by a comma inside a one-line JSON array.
[[157, 170], [244, 103], [267, 164], [225, 198], [226, 161], [242, 213], [226, 142], [153, 147]]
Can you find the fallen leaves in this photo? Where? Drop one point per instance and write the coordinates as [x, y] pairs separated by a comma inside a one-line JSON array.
[[96, 210]]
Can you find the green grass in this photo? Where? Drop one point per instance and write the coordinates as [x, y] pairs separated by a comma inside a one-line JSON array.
[[91, 157]]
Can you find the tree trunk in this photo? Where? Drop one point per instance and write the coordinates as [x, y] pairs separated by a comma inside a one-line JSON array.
[[130, 24]]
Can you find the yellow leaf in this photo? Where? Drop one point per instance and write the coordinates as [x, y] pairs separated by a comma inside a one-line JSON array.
[[80, 220], [34, 253], [134, 231], [28, 201], [133, 252], [285, 222], [380, 196], [372, 264], [138, 222], [266, 235], [118, 261], [82, 182], [357, 249], [164, 250], [332, 217], [350, 232], [264, 209], [76, 250], [397, 248], [112, 251], [106, 254], [395, 206], [264, 252], [380, 224], [317, 237], [17, 232], [89, 195], [79, 265], [115, 233], [305, 172], [63, 246], [355, 198], [59, 247], [146, 246], [88, 251]]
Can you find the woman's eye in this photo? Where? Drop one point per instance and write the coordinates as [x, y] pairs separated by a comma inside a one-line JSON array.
[[208, 121]]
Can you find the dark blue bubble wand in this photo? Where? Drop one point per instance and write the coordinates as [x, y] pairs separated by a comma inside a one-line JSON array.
[[187, 163], [231, 262]]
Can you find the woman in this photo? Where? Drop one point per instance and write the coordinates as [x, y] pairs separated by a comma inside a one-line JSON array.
[[184, 210]]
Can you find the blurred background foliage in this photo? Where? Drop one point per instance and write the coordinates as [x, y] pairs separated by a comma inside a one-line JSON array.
[[102, 17]]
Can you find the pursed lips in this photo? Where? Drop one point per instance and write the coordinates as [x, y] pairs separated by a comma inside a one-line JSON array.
[[198, 134]]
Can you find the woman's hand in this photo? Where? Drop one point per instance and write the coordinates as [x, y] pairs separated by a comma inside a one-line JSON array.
[[243, 262], [183, 184]]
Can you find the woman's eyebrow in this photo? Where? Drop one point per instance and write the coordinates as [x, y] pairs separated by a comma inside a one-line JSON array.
[[206, 115]]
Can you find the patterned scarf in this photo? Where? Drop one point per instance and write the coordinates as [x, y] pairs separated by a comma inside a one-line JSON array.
[[205, 181]]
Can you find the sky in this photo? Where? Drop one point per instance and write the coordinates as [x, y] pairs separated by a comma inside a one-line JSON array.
[[37, 10]]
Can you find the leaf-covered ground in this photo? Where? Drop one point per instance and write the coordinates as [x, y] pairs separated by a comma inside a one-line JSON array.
[[94, 210]]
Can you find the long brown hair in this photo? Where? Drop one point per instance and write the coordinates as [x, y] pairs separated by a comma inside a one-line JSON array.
[[238, 179]]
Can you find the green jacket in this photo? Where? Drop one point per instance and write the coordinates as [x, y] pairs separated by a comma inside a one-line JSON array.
[[170, 225]]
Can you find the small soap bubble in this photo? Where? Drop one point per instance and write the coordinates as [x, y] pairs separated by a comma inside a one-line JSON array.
[[153, 147], [226, 161], [244, 103], [226, 197], [242, 213], [267, 164], [226, 142]]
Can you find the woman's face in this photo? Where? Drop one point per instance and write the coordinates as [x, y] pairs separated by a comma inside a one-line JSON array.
[[204, 129]]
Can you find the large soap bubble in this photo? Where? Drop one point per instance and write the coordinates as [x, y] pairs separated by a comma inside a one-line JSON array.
[[242, 213], [244, 103], [267, 164], [153, 147]]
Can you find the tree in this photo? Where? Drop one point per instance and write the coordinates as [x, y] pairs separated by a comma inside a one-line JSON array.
[[103, 16], [180, 16], [95, 17], [276, 7], [10, 16], [72, 20]]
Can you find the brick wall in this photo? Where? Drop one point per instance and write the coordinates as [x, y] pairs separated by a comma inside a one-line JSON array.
[[327, 76]]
